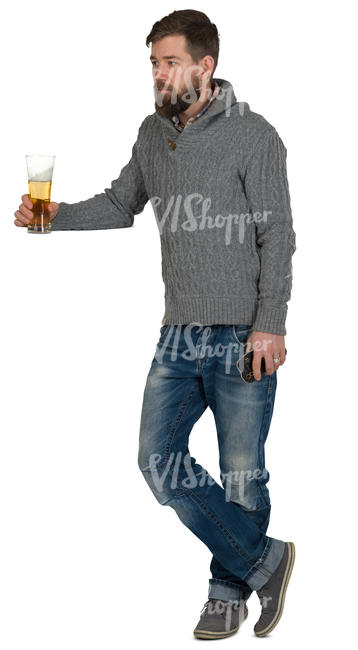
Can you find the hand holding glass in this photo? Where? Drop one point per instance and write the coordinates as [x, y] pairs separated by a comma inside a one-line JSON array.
[[39, 171]]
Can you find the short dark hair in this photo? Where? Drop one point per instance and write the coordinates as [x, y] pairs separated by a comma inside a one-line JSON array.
[[201, 34]]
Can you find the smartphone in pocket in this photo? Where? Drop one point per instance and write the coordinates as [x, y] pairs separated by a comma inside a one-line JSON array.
[[245, 367]]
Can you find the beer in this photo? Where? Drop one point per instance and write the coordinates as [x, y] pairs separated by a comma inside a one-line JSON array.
[[40, 195], [39, 172]]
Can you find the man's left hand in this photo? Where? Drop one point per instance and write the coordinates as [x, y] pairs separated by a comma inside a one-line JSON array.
[[268, 346]]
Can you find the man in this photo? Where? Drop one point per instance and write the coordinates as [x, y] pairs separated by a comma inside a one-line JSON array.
[[215, 173]]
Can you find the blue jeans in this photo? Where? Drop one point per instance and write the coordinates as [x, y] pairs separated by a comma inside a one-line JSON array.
[[194, 367]]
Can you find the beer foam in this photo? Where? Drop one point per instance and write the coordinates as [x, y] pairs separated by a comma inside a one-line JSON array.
[[45, 175]]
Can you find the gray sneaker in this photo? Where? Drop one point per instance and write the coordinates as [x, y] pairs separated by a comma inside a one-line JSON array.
[[272, 594], [220, 618]]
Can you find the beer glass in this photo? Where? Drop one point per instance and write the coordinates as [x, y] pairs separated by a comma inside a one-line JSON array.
[[39, 172]]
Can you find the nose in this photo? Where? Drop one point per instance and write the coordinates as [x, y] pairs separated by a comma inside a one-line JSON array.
[[160, 80], [160, 75]]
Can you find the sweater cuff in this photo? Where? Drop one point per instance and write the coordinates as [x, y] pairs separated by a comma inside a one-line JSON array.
[[64, 218], [270, 319]]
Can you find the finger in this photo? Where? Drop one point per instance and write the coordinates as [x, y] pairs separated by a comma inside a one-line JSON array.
[[21, 218], [269, 364], [248, 346], [276, 355], [256, 365], [17, 222], [282, 355], [25, 211], [26, 201]]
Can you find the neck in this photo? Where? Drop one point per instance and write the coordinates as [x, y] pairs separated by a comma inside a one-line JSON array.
[[195, 108]]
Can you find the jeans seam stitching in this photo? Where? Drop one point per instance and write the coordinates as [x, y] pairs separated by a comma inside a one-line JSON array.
[[174, 428], [225, 583], [261, 461], [254, 568], [235, 335], [222, 528]]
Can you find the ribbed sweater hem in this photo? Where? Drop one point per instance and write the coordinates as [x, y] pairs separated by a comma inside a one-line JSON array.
[[231, 310], [209, 310]]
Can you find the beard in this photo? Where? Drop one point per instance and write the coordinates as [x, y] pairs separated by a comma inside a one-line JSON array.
[[164, 104]]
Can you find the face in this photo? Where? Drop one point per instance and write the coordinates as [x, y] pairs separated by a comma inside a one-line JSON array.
[[177, 78]]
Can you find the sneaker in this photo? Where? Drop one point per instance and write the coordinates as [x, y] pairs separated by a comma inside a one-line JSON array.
[[272, 594], [220, 618]]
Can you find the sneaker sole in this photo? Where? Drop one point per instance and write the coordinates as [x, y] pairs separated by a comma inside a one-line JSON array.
[[204, 634], [281, 600]]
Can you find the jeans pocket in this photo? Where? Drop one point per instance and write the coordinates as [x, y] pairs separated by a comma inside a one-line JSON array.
[[163, 331], [241, 333]]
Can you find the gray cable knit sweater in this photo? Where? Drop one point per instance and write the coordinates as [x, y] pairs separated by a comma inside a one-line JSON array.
[[220, 195]]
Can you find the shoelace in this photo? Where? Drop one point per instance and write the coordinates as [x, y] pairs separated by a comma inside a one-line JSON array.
[[215, 600]]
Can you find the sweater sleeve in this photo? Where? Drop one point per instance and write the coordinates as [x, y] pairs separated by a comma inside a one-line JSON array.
[[266, 187], [115, 207]]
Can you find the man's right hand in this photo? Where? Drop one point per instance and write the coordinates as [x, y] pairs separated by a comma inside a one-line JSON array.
[[24, 214]]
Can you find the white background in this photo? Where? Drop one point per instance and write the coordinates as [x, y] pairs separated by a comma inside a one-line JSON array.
[[88, 558]]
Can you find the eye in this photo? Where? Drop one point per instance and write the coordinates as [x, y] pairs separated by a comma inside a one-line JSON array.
[[155, 62]]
